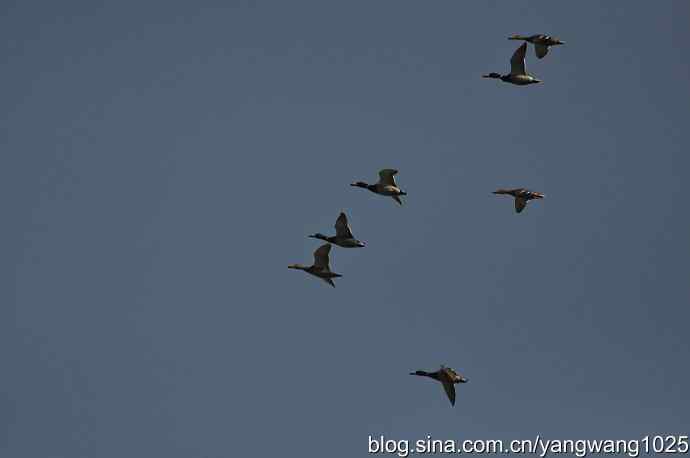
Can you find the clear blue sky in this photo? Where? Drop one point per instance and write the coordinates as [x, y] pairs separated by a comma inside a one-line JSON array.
[[164, 161]]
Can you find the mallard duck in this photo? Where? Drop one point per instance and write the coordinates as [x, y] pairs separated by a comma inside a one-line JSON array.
[[343, 235], [448, 378], [522, 196], [518, 73], [386, 185], [320, 267], [541, 42]]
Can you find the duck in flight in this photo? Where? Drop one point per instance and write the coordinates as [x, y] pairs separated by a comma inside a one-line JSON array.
[[522, 196], [448, 378], [343, 234], [541, 42], [386, 185], [320, 267], [518, 73]]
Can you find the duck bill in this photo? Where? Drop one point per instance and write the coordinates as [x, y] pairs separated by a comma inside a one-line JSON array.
[[539, 195]]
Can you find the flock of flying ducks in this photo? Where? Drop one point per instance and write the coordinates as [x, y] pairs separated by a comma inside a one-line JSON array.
[[518, 72], [386, 186]]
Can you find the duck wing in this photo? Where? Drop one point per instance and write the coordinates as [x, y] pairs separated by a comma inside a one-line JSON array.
[[540, 50], [397, 199], [449, 387], [517, 62], [387, 177], [342, 228], [520, 203], [321, 256]]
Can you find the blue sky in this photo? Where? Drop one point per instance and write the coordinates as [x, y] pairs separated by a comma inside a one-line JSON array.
[[164, 163]]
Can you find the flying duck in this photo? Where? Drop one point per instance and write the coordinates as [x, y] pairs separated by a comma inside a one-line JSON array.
[[320, 267], [541, 42], [522, 196], [448, 378], [386, 185], [518, 74], [343, 234]]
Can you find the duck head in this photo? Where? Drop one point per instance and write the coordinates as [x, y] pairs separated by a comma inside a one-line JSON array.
[[296, 266], [359, 184], [492, 75], [420, 373]]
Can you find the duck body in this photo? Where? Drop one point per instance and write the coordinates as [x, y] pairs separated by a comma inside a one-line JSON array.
[[316, 271], [541, 42], [320, 268], [448, 378], [518, 71], [521, 195], [343, 234], [519, 80], [386, 185], [341, 242]]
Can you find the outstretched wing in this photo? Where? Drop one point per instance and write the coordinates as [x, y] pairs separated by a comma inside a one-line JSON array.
[[321, 256], [540, 50], [397, 199], [342, 228], [520, 203], [517, 62], [387, 177], [450, 389]]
